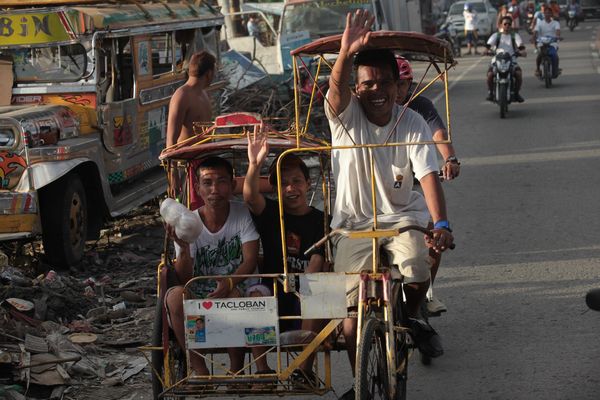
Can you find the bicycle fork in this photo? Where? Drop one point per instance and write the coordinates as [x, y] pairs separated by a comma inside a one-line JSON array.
[[379, 290]]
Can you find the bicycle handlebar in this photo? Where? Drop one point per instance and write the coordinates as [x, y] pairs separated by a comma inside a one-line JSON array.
[[348, 233]]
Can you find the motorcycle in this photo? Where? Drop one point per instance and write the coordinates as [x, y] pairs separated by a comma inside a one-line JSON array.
[[544, 47], [447, 32], [504, 81], [572, 19]]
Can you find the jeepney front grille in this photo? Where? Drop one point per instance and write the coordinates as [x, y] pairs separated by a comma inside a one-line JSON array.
[[18, 203]]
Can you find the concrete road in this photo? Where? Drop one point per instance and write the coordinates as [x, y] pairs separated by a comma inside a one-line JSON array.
[[526, 216], [525, 211]]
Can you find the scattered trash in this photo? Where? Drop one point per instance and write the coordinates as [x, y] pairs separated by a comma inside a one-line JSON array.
[[35, 344], [11, 275], [20, 304], [3, 259], [83, 338], [134, 367], [63, 332]]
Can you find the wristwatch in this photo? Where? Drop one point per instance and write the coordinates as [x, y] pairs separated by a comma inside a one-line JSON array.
[[442, 224], [452, 160]]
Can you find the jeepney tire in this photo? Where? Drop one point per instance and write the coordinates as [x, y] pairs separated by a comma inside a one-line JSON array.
[[64, 216]]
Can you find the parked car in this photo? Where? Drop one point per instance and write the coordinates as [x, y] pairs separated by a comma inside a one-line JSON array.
[[486, 13], [590, 8]]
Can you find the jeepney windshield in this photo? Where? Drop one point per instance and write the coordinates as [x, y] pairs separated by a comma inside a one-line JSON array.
[[320, 18], [55, 63]]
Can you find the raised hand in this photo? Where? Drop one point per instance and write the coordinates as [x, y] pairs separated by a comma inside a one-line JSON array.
[[258, 147], [357, 32]]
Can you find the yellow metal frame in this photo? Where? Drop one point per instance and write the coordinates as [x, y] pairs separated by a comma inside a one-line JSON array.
[[208, 134]]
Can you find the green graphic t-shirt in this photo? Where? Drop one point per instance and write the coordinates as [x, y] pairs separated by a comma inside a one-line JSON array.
[[220, 253]]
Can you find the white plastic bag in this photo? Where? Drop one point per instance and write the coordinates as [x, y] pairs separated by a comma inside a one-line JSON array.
[[189, 226], [187, 223], [171, 210]]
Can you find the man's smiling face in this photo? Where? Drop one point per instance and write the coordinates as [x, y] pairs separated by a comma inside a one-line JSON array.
[[376, 89]]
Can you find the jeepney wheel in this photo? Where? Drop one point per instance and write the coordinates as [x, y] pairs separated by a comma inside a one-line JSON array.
[[64, 216]]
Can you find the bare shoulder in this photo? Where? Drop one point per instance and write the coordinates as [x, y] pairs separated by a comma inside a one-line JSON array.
[[180, 97]]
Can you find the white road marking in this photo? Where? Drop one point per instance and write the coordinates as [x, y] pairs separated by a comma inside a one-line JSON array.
[[528, 158], [562, 99]]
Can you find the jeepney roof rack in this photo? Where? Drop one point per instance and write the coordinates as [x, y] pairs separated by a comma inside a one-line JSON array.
[[140, 3]]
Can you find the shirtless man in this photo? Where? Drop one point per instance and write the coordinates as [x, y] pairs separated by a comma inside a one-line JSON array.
[[190, 103]]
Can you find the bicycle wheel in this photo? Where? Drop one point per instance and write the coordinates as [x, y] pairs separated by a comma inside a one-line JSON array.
[[157, 355], [176, 362], [371, 362], [401, 340]]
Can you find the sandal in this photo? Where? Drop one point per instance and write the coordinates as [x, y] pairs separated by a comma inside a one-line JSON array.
[[304, 379]]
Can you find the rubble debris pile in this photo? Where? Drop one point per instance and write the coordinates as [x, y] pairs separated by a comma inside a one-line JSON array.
[[75, 334]]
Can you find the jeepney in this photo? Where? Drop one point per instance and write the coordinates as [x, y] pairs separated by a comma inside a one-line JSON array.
[[84, 93]]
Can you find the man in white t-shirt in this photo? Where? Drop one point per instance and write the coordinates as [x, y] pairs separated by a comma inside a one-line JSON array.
[[227, 245], [368, 116], [470, 28], [510, 42], [551, 28]]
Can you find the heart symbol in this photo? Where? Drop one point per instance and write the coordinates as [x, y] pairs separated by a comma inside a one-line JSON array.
[[207, 304]]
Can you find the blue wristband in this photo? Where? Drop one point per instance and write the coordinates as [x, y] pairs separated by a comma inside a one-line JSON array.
[[443, 224]]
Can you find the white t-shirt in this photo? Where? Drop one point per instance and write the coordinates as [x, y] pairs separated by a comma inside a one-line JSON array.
[[394, 167], [544, 28], [470, 20], [505, 42], [220, 253]]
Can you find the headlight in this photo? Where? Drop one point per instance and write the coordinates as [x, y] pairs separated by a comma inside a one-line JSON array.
[[7, 137], [503, 66]]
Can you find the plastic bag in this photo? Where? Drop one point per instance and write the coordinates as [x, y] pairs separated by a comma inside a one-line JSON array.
[[187, 223]]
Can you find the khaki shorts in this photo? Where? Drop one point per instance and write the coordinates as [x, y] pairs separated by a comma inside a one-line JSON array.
[[407, 252]]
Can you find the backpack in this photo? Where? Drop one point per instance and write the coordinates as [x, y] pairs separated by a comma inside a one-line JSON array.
[[512, 38]]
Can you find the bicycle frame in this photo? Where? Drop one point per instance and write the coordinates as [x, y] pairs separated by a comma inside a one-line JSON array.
[[416, 47]]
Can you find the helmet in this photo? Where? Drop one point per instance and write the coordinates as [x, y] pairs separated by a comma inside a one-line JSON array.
[[404, 68], [467, 6]]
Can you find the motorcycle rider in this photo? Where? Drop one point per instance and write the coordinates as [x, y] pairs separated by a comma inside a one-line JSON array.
[[510, 42], [574, 6], [515, 12], [548, 27], [537, 17]]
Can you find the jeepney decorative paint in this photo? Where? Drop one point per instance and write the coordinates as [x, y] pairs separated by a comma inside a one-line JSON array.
[[121, 138], [34, 28], [143, 59], [156, 126], [122, 130], [12, 166], [83, 105]]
